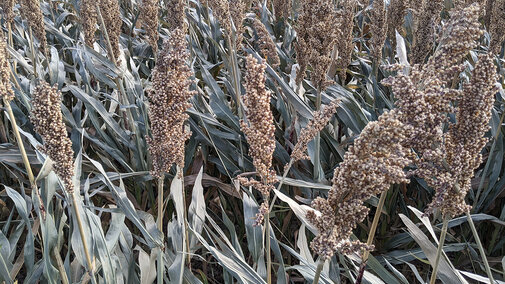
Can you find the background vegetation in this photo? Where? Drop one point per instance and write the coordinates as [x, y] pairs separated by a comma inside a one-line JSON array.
[[105, 110]]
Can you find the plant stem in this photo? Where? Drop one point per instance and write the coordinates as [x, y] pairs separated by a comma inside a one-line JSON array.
[[481, 248], [186, 228], [21, 146], [439, 249], [267, 236], [375, 223], [83, 237], [317, 142], [319, 269], [371, 235], [161, 267], [61, 266], [281, 182]]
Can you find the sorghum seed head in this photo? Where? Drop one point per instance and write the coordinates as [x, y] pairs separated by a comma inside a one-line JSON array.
[[465, 139], [30, 9], [426, 21], [47, 119], [88, 17], [266, 44], [169, 100], [345, 45], [5, 85], [259, 131], [317, 29], [282, 9], [8, 10], [497, 25], [176, 14], [318, 122], [370, 166], [149, 18], [112, 19], [397, 10], [378, 28]]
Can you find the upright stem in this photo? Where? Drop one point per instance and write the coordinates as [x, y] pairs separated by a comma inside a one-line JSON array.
[[319, 269], [481, 248], [375, 223], [440, 248], [159, 223], [61, 266], [83, 237], [21, 146], [317, 142], [371, 235], [186, 227], [267, 236]]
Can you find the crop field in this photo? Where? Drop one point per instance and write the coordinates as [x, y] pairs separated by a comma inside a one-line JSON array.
[[252, 141]]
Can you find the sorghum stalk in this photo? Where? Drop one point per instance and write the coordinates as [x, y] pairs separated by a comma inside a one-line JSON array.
[[373, 228], [48, 122], [169, 100], [260, 134], [445, 222], [159, 222], [319, 269], [7, 96], [481, 248]]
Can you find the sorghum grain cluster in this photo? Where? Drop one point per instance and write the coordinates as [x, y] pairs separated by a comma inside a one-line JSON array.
[[317, 30], [497, 25], [375, 161], [318, 122], [427, 18], [30, 9], [378, 28], [259, 130], [149, 18], [112, 19], [171, 79], [345, 45], [5, 86], [465, 140], [88, 17], [8, 10], [176, 14], [266, 44], [397, 10], [47, 119]]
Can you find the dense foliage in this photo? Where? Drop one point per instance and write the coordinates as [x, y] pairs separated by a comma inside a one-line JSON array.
[[148, 85]]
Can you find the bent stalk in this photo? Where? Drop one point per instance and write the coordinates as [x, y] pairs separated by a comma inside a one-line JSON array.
[[481, 248]]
